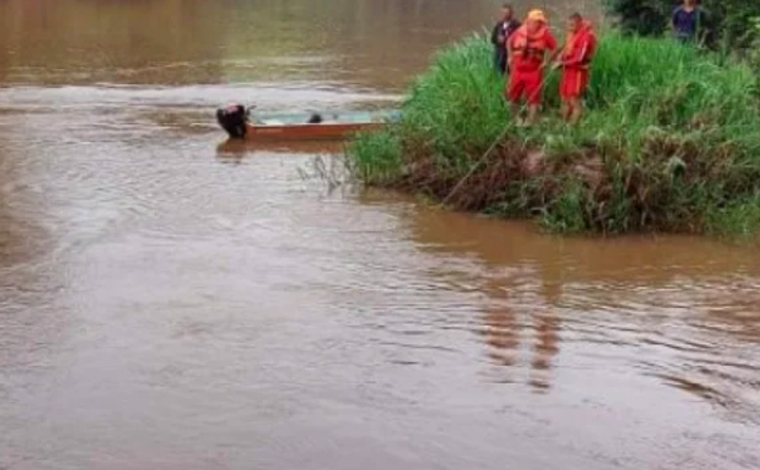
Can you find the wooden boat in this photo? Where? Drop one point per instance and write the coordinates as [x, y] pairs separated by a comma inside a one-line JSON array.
[[240, 123]]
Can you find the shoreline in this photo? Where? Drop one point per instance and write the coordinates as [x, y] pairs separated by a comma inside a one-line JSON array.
[[670, 143]]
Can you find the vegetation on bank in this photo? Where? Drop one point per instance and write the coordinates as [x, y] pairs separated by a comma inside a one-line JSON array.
[[727, 24], [671, 142]]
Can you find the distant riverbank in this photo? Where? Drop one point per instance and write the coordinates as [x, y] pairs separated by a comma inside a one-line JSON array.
[[671, 143]]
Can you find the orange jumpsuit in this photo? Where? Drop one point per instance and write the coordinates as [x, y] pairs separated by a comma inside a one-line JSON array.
[[576, 62], [527, 52]]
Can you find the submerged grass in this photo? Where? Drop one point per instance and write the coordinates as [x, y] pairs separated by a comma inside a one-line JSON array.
[[670, 142]]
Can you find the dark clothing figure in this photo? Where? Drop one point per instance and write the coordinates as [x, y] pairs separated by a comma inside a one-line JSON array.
[[686, 24], [501, 32]]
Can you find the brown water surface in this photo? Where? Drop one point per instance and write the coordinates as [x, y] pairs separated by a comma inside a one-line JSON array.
[[169, 301]]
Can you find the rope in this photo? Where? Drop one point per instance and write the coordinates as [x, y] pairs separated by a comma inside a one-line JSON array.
[[478, 163]]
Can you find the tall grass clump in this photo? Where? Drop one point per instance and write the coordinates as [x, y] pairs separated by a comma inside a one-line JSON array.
[[670, 142]]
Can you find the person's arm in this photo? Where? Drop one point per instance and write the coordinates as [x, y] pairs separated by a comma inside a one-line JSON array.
[[583, 50], [496, 36], [509, 46], [702, 30], [674, 19], [579, 57], [514, 27], [553, 47]]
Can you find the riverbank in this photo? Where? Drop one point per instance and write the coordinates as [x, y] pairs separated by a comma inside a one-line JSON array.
[[671, 143]]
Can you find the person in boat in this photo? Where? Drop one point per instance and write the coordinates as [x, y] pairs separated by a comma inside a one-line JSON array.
[[501, 32], [687, 21], [531, 47], [575, 62]]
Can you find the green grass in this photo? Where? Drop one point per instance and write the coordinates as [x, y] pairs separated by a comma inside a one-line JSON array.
[[671, 142]]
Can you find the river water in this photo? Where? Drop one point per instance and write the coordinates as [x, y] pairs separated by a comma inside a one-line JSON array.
[[171, 302]]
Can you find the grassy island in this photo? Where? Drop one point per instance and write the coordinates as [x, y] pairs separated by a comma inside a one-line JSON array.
[[670, 142]]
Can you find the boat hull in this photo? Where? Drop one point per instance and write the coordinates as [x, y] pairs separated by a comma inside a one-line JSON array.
[[238, 124]]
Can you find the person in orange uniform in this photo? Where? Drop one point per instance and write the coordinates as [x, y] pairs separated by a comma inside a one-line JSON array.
[[528, 49], [575, 61]]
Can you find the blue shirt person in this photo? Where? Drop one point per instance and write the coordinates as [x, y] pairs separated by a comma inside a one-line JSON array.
[[687, 21]]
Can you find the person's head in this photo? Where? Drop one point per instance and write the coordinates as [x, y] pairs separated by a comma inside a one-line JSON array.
[[690, 3], [507, 12], [536, 20], [574, 22]]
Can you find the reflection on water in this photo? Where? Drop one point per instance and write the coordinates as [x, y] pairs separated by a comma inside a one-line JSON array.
[[546, 347], [506, 329], [171, 300], [238, 149], [678, 309]]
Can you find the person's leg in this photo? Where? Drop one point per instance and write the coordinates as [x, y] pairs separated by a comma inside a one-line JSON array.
[[533, 88], [533, 114], [500, 60], [515, 109], [576, 110], [580, 89], [564, 95], [515, 92]]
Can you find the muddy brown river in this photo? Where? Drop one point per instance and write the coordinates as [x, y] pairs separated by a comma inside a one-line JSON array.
[[171, 302]]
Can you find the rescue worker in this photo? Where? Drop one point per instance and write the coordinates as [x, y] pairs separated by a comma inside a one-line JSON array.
[[575, 61], [501, 32], [528, 49]]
